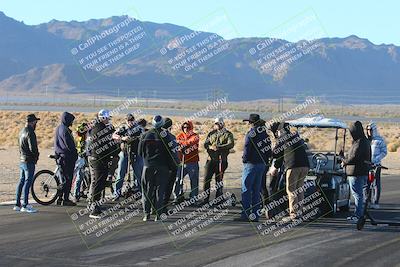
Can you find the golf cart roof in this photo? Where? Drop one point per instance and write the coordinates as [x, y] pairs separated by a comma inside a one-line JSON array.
[[318, 122]]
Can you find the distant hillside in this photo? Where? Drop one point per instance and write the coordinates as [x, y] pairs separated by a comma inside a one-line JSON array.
[[35, 57]]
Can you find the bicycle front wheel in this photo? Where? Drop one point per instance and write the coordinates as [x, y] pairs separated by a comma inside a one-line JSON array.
[[45, 187]]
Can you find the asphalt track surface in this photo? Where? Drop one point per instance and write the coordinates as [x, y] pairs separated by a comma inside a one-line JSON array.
[[55, 236]]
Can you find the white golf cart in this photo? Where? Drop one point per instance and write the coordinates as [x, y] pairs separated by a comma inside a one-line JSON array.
[[325, 168]]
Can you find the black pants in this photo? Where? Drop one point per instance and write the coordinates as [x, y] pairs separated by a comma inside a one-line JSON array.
[[213, 168], [67, 169], [154, 183], [170, 186], [98, 172]]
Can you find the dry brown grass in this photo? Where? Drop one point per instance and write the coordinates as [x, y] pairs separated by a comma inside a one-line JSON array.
[[13, 121]]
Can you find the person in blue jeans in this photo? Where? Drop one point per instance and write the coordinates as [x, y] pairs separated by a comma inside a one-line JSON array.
[[29, 155], [357, 184], [189, 156], [256, 156], [357, 168], [129, 134]]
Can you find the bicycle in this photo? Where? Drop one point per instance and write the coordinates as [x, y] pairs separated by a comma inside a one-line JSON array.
[[47, 185], [369, 193]]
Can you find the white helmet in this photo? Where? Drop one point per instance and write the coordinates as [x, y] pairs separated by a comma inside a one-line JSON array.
[[104, 114]]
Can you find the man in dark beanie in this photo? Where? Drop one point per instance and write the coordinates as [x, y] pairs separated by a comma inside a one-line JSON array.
[[173, 165], [65, 148], [153, 147], [290, 150]]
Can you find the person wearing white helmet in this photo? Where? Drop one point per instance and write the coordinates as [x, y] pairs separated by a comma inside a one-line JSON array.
[[101, 147], [218, 144], [104, 115], [378, 153]]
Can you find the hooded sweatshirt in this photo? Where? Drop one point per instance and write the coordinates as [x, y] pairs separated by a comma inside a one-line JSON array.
[[378, 145], [64, 144], [359, 153], [189, 144], [154, 147]]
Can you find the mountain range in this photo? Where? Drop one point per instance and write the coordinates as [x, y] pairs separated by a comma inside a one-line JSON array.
[[171, 61]]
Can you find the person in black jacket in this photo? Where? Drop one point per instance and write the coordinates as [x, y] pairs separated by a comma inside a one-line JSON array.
[[290, 150], [101, 147], [65, 148], [256, 157], [173, 168], [29, 155], [357, 167], [156, 154]]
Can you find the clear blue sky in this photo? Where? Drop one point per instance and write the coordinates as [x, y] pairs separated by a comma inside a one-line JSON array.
[[378, 21]]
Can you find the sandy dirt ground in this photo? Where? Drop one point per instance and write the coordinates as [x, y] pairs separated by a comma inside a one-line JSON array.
[[9, 171]]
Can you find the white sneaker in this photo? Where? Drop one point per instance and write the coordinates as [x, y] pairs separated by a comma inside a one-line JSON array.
[[352, 219], [374, 206], [17, 208], [28, 209]]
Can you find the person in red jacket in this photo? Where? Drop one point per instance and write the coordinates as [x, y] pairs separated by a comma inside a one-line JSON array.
[[188, 142]]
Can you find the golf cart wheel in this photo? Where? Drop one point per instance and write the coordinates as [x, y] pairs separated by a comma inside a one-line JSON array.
[[360, 223], [346, 207]]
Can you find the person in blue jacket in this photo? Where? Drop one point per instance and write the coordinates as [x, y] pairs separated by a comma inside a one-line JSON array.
[[65, 148], [256, 156]]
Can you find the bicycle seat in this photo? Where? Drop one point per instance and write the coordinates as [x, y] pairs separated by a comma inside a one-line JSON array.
[[54, 156]]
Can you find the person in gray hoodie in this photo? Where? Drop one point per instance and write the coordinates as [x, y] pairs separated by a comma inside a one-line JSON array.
[[378, 152]]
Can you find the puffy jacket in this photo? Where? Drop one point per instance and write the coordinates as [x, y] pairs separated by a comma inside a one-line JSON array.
[[290, 150], [155, 151], [189, 144], [223, 140], [359, 153], [64, 144], [100, 144], [28, 148], [257, 146], [378, 145]]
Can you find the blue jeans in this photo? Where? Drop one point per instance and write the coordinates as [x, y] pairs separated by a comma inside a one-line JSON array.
[[251, 186], [191, 169], [137, 166], [79, 174], [357, 184], [27, 171]]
